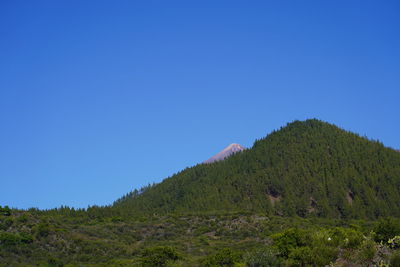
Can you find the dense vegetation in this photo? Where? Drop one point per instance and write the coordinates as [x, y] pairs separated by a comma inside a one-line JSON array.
[[308, 168], [309, 194], [98, 237]]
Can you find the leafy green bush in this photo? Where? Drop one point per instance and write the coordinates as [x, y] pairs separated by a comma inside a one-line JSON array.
[[367, 251], [42, 230], [395, 259], [54, 262], [22, 219], [394, 242], [345, 237], [158, 256], [323, 255], [5, 223], [316, 247], [300, 256], [315, 255], [386, 228], [224, 257], [289, 240], [10, 239], [25, 238], [265, 257], [6, 211]]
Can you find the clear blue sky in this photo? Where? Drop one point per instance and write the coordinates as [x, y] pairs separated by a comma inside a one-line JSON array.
[[100, 97]]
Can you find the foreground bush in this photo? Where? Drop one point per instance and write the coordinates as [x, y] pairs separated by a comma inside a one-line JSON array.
[[225, 257], [287, 241], [265, 257], [158, 256], [386, 228], [395, 259], [321, 247]]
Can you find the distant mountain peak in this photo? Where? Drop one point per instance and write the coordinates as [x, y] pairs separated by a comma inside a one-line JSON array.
[[226, 152]]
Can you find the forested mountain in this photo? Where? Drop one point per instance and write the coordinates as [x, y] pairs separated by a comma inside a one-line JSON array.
[[307, 168]]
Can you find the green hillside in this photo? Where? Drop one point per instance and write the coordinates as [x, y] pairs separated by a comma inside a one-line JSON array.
[[307, 168]]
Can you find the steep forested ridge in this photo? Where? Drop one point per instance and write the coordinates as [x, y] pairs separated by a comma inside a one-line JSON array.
[[307, 168]]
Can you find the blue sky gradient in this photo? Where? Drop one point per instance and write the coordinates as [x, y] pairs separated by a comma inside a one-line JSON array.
[[100, 97]]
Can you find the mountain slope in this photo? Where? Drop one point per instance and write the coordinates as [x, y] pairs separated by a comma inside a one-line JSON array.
[[308, 168], [226, 152]]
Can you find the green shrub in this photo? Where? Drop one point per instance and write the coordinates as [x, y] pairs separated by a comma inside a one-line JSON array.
[[394, 242], [386, 228], [317, 248], [54, 262], [345, 237], [25, 238], [395, 259], [42, 230], [116, 219], [323, 255], [300, 256], [353, 239], [6, 211], [9, 239], [5, 223], [367, 251], [158, 256], [289, 240], [265, 257], [22, 219], [224, 257]]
